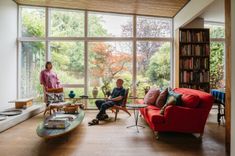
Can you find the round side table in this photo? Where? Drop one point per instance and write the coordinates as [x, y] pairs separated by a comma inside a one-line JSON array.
[[136, 108]]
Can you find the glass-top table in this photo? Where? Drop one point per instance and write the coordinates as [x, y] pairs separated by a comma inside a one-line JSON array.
[[136, 108]]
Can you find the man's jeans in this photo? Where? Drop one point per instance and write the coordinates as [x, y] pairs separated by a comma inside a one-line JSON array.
[[103, 105]]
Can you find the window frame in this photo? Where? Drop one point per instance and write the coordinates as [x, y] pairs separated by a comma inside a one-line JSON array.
[[134, 39]]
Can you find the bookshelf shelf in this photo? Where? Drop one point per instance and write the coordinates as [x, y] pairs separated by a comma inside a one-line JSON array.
[[194, 59]]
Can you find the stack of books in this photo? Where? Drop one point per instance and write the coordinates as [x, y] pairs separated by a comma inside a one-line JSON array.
[[57, 123], [60, 121]]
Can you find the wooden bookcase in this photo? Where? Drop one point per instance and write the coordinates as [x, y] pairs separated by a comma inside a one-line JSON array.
[[194, 58]]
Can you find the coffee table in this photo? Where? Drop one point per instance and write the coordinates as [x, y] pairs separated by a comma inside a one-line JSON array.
[[136, 108], [51, 133]]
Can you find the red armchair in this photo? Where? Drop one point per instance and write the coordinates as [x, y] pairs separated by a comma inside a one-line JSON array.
[[180, 118]]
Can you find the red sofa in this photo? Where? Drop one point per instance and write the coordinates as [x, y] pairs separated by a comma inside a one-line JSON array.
[[180, 118]]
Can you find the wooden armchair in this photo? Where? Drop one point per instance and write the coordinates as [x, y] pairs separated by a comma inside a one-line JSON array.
[[116, 108], [53, 107]]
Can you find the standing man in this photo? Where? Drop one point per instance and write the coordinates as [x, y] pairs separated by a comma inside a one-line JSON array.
[[115, 98]]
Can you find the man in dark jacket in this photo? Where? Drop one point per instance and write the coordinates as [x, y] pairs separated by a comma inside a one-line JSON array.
[[115, 98]]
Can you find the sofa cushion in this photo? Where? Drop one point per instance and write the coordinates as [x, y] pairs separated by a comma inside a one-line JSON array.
[[151, 96], [190, 101], [161, 100]]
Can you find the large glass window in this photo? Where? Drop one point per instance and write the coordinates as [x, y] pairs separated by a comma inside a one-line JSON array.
[[32, 22], [109, 25], [32, 62], [90, 64], [216, 30], [153, 65], [66, 23], [217, 54], [68, 61], [153, 27], [109, 61]]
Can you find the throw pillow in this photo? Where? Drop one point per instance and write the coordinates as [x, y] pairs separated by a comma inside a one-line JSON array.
[[59, 97], [172, 99], [176, 96], [190, 101], [50, 98], [151, 96], [161, 100]]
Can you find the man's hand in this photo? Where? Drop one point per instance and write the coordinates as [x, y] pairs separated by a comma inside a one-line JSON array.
[[108, 98], [117, 98]]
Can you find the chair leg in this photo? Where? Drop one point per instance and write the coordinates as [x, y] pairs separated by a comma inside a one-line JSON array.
[[50, 111], [125, 110], [116, 112], [45, 111]]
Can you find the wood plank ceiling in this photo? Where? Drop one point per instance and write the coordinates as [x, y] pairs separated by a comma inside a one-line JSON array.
[[162, 8]]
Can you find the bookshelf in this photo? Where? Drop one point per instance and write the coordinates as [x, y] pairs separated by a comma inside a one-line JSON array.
[[194, 58]]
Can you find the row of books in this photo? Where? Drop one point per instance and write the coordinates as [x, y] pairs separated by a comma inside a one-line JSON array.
[[200, 36], [204, 87], [194, 63], [194, 77], [195, 50], [194, 36]]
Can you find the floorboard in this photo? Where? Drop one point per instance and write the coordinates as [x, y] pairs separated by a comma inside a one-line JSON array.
[[112, 138]]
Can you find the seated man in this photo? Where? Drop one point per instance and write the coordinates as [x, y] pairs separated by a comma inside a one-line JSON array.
[[115, 98]]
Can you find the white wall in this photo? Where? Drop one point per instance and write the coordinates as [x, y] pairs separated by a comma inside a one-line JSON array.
[[8, 52], [192, 10], [233, 79], [215, 12]]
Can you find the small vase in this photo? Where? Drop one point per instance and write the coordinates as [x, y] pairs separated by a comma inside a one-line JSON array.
[[95, 92], [71, 94]]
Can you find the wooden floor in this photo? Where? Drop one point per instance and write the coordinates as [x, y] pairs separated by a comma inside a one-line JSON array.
[[111, 139]]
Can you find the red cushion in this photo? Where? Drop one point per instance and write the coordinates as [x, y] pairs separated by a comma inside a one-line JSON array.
[[151, 96], [190, 101]]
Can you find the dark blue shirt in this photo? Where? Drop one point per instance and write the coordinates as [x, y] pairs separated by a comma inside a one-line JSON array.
[[118, 92]]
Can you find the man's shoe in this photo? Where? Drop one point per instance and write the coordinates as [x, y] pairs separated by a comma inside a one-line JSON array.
[[103, 117]]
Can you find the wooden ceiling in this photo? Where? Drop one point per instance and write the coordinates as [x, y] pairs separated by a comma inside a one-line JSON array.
[[162, 8]]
